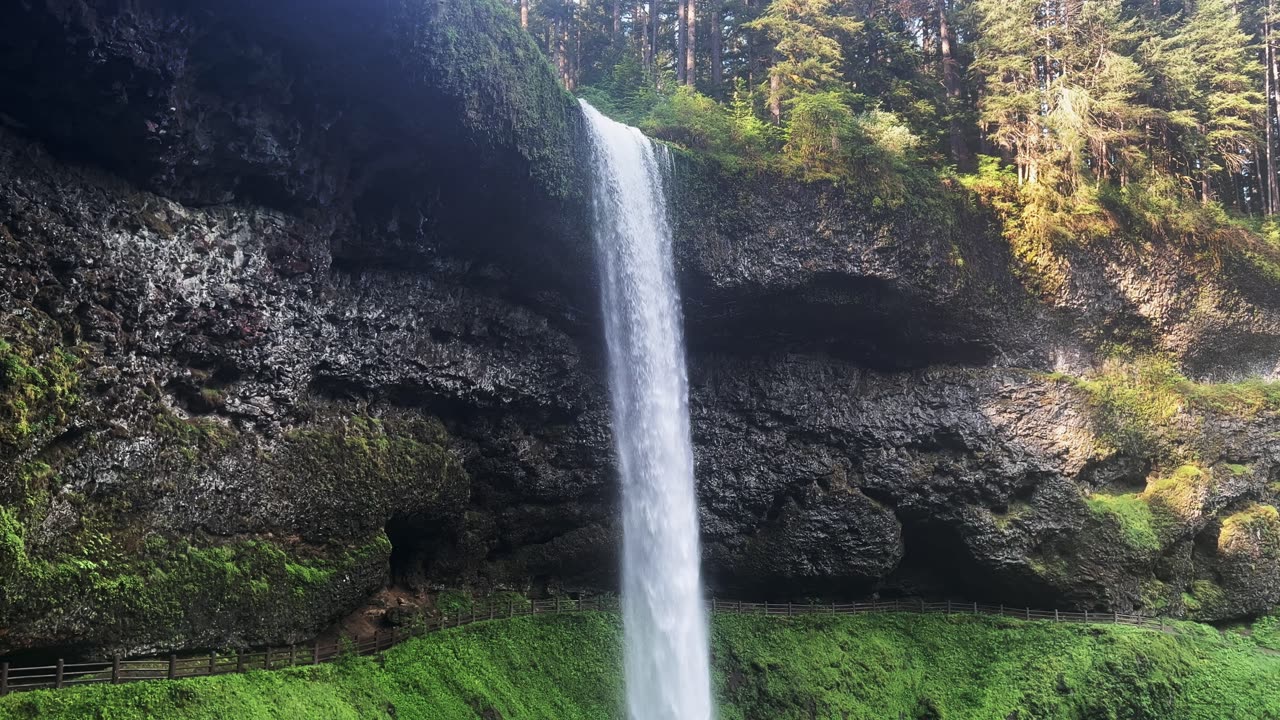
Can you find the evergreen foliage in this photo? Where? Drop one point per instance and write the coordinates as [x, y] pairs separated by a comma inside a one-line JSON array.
[[1114, 118]]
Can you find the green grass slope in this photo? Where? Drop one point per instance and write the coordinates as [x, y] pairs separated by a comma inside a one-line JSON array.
[[867, 667]]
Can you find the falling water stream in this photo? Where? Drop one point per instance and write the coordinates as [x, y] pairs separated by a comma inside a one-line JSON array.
[[667, 674]]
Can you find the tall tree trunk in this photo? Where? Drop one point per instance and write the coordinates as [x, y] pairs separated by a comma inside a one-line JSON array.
[[682, 9], [691, 38], [655, 10], [639, 23], [775, 97], [951, 83], [564, 55], [717, 48], [524, 14], [577, 51], [553, 43], [1272, 202], [642, 30], [617, 19]]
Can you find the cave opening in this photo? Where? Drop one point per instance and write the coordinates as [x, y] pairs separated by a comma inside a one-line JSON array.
[[936, 564], [417, 544]]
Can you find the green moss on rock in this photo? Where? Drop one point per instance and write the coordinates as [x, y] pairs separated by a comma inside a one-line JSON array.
[[1204, 599], [477, 53], [38, 389], [1253, 532], [1139, 402], [1131, 516], [169, 592], [144, 582], [1181, 496]]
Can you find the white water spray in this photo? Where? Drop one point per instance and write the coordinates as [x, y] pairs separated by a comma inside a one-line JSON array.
[[667, 659]]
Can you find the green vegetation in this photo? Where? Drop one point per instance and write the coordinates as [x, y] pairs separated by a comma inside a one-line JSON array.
[[1132, 516], [1114, 121], [373, 460], [505, 92], [157, 587], [1253, 531], [1181, 497], [1137, 401], [37, 390], [161, 585], [1205, 598], [863, 668], [1266, 632], [1149, 519]]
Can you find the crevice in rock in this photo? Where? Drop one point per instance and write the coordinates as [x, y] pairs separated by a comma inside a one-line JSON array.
[[418, 544], [936, 564]]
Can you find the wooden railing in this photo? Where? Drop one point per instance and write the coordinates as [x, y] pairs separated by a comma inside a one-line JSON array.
[[116, 670], [944, 608]]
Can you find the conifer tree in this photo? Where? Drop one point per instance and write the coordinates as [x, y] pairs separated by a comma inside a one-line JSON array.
[[807, 36]]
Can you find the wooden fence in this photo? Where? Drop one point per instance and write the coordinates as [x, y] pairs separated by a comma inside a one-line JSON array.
[[116, 670]]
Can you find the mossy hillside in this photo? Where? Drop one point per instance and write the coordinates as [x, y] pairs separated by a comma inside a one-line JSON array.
[[170, 592], [149, 583], [1176, 508], [864, 668], [1248, 552], [1254, 531], [1132, 517], [1172, 506], [1144, 406]]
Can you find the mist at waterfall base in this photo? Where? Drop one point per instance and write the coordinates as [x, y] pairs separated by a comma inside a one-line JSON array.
[[665, 624]]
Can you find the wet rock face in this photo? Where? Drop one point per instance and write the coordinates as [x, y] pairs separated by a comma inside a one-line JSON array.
[[298, 309]]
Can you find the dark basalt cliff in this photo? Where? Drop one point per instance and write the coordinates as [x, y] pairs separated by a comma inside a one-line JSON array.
[[297, 301]]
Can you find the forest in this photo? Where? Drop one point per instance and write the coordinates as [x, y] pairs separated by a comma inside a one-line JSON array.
[[1072, 107]]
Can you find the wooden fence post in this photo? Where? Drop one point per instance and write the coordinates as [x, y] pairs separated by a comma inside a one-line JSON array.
[[57, 674], [4, 679], [173, 666], [1086, 616], [115, 670], [1028, 613], [1115, 619], [975, 607], [293, 654], [948, 607], [788, 609], [266, 658], [239, 661], [1055, 616], [213, 662], [315, 652]]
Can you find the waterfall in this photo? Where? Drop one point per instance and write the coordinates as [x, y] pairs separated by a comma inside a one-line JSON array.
[[667, 657]]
